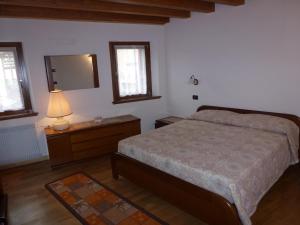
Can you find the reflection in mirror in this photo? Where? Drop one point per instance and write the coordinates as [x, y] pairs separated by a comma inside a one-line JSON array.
[[72, 72]]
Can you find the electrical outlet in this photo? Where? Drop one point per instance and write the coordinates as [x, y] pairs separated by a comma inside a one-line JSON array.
[[195, 97]]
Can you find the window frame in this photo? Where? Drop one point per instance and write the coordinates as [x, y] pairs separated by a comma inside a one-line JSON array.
[[24, 85], [115, 78]]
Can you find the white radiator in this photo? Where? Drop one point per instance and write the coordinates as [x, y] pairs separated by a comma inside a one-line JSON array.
[[18, 144]]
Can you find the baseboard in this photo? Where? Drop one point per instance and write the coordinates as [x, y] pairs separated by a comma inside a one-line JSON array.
[[24, 163]]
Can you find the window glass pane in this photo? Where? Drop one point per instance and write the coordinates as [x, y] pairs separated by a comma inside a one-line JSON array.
[[10, 91], [131, 63]]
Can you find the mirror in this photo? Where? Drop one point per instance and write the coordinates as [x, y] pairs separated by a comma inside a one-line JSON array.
[[72, 72]]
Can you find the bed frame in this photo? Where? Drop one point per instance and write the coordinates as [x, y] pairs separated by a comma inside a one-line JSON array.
[[209, 207]]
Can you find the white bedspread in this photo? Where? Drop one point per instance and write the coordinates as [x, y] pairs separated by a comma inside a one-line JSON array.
[[238, 163]]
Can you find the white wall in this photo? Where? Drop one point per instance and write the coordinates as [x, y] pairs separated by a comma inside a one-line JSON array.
[[247, 56], [42, 38]]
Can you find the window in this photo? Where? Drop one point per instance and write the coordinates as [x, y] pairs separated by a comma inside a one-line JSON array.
[[131, 71], [14, 90]]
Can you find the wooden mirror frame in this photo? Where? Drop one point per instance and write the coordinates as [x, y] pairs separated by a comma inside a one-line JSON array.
[[49, 72]]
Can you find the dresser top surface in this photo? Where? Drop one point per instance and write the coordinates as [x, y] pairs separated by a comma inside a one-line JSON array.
[[92, 124]]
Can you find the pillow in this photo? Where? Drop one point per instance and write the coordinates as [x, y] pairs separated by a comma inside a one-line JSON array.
[[255, 121], [216, 116]]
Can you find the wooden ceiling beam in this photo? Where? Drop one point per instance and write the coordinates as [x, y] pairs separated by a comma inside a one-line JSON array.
[[228, 2], [100, 6], [191, 5], [76, 15]]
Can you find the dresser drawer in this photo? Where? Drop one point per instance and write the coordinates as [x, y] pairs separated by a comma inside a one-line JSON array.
[[104, 132], [94, 134], [93, 152], [59, 149], [97, 143], [131, 129]]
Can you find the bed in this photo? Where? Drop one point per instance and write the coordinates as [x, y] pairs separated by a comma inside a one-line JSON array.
[[216, 165]]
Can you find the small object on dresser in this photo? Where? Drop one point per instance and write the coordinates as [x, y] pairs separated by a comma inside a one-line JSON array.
[[166, 121], [98, 119]]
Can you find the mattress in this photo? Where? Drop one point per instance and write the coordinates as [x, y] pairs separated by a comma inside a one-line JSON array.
[[239, 163]]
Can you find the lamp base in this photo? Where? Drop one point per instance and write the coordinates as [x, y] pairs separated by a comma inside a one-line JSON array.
[[60, 124]]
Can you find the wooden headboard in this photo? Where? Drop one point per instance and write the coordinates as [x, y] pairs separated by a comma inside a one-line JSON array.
[[291, 117]]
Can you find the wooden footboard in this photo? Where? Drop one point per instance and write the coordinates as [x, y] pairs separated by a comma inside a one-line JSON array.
[[207, 206]]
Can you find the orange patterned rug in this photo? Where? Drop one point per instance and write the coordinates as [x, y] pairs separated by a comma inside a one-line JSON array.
[[95, 204]]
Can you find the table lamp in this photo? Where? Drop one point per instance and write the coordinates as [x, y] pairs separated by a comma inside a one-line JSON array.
[[58, 108]]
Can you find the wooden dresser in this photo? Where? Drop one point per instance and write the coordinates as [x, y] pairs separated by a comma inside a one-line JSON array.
[[89, 139]]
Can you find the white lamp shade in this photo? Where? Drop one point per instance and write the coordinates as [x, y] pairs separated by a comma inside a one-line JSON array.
[[58, 105]]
